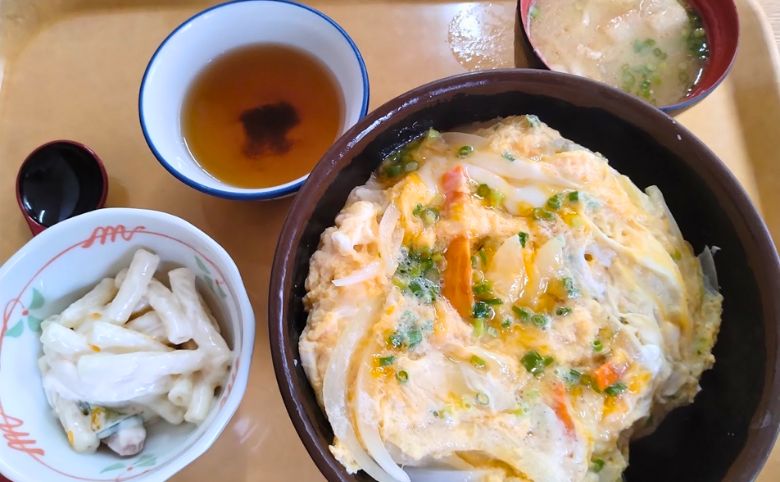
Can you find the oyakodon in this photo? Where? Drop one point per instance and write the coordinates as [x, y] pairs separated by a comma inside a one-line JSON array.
[[503, 304]]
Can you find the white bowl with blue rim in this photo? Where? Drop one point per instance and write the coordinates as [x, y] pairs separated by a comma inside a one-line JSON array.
[[219, 29], [56, 268]]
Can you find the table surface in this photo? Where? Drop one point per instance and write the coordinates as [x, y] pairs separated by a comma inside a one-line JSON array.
[[772, 8], [286, 450]]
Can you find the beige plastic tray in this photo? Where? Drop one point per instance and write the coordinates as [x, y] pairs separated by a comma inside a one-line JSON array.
[[71, 69]]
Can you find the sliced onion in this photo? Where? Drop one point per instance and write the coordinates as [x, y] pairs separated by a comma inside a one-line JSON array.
[[334, 390], [547, 264], [419, 474], [358, 276], [507, 270], [368, 192], [657, 198], [365, 416], [708, 271], [514, 196], [431, 171], [389, 239], [585, 273], [519, 169], [459, 139]]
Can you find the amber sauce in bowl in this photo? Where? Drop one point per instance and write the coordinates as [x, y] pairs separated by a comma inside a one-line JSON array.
[[261, 115], [241, 100]]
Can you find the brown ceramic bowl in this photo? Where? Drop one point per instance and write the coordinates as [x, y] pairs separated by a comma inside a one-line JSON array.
[[727, 433]]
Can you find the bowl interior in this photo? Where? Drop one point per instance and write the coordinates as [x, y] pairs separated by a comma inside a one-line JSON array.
[[55, 269], [721, 24], [217, 30], [730, 428]]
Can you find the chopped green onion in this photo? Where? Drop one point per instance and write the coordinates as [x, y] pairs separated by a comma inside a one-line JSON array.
[[433, 133], [563, 311], [596, 465], [659, 53], [465, 151], [393, 170], [533, 12], [535, 363], [482, 310], [628, 79], [506, 323], [386, 360], [396, 340], [542, 214], [402, 376], [418, 274], [554, 203], [415, 337], [588, 381], [523, 238], [483, 191], [540, 320], [426, 214], [645, 89], [492, 197], [697, 37], [615, 389], [482, 255], [522, 313], [568, 286], [533, 120], [642, 45], [572, 376], [495, 198], [493, 301], [482, 398], [482, 288], [508, 156], [597, 345], [479, 326], [573, 196], [478, 362]]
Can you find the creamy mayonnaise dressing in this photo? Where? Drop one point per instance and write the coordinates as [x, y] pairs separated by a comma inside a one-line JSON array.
[[132, 351]]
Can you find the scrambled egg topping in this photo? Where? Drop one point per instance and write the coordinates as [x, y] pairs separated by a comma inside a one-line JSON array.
[[504, 304]]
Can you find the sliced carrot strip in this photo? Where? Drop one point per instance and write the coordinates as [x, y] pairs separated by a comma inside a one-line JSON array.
[[608, 374], [560, 407], [457, 276], [454, 184]]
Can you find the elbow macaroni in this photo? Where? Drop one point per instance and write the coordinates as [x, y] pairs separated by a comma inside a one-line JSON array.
[[133, 348]]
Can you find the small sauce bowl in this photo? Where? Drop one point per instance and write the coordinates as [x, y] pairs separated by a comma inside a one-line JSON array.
[[222, 28], [720, 21], [59, 180]]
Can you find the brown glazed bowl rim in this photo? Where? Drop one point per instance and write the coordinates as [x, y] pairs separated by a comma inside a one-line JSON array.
[[750, 229]]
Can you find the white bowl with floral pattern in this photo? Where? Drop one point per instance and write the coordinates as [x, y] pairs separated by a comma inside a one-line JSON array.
[[57, 267]]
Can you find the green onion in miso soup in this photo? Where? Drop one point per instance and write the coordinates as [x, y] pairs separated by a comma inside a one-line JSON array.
[[654, 49]]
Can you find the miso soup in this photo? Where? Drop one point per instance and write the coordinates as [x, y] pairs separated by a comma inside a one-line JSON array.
[[654, 49]]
